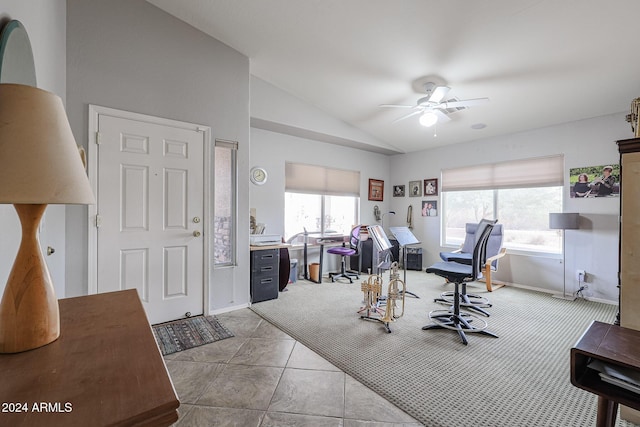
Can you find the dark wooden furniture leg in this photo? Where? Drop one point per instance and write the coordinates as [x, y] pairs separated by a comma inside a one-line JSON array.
[[607, 412]]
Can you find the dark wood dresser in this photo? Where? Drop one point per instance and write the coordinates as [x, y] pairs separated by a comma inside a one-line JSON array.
[[105, 369]]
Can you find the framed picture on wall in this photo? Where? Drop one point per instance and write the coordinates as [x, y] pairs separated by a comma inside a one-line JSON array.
[[431, 187], [398, 191], [415, 189], [429, 208], [376, 189], [595, 181]]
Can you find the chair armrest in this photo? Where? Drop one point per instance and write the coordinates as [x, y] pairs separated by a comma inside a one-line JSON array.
[[503, 252], [487, 270], [459, 250]]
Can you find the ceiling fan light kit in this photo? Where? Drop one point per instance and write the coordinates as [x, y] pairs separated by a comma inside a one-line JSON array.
[[428, 119], [435, 107]]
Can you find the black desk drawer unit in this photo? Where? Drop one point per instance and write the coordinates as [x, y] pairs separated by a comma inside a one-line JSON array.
[[264, 274]]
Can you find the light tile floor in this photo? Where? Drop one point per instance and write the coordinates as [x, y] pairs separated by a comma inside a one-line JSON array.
[[262, 377]]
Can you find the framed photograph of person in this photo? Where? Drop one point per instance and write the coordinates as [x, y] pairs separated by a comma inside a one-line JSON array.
[[594, 181], [376, 190], [415, 189], [429, 208], [431, 187], [398, 191]]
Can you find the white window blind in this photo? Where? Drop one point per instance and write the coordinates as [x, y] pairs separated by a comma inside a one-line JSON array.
[[302, 178], [536, 172]]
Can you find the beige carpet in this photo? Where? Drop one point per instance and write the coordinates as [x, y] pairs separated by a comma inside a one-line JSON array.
[[521, 378]]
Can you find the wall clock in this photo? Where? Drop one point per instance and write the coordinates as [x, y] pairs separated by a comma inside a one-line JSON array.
[[258, 175]]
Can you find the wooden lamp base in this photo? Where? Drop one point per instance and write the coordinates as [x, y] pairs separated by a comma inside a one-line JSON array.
[[29, 314]]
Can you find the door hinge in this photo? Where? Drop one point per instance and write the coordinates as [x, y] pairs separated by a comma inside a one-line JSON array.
[[98, 221], [98, 138]]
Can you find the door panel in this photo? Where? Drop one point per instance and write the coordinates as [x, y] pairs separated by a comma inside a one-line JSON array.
[[150, 185]]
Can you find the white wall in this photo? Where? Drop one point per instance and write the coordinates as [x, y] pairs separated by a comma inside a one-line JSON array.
[[271, 150], [130, 55], [45, 22], [593, 248]]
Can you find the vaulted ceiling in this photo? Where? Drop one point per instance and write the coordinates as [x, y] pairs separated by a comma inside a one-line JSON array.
[[540, 62]]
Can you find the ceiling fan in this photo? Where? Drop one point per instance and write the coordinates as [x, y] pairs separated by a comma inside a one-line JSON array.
[[434, 107]]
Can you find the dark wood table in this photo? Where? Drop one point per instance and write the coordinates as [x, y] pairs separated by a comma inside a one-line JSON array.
[[105, 369], [613, 345]]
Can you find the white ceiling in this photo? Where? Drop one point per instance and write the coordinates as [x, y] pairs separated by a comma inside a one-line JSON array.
[[539, 62]]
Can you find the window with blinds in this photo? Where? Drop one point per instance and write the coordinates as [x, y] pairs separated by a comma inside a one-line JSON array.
[[320, 199], [519, 193]]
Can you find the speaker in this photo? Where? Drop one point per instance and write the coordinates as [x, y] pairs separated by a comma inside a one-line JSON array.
[[414, 258]]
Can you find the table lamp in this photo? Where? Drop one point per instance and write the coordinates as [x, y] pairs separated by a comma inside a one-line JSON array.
[[39, 165], [564, 221]]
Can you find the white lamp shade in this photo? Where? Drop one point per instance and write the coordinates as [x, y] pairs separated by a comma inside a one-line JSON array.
[[564, 221], [39, 158], [428, 119]]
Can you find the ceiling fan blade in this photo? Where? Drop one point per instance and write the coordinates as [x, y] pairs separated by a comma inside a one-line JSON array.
[[406, 116], [442, 116], [395, 106], [439, 93], [464, 103]]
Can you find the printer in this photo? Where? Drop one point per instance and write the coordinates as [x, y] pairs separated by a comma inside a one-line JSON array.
[[265, 239]]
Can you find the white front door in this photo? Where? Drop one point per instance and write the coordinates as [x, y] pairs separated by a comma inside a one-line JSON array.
[[150, 215]]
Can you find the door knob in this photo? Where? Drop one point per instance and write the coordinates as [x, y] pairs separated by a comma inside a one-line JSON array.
[[50, 250], [196, 233]]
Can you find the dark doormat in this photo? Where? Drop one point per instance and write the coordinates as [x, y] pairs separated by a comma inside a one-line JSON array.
[[179, 335]]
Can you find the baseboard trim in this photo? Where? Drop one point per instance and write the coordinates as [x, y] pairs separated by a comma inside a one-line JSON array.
[[547, 291], [228, 309]]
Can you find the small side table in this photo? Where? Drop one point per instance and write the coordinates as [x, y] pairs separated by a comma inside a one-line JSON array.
[[615, 346]]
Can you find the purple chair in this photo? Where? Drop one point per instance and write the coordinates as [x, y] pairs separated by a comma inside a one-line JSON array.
[[344, 252]]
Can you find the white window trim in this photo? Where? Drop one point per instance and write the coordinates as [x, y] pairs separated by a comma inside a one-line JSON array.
[[232, 145]]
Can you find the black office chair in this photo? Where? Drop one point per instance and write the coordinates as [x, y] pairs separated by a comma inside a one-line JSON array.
[[495, 251], [344, 252], [471, 301], [460, 274]]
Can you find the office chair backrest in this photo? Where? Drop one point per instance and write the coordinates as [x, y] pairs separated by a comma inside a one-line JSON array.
[[494, 244], [471, 238], [495, 239], [481, 226], [354, 240], [480, 250]]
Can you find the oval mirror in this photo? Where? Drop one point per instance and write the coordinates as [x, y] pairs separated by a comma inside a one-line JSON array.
[[16, 56]]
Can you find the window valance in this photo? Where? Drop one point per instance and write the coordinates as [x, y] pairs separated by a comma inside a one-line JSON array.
[[303, 178], [535, 172]]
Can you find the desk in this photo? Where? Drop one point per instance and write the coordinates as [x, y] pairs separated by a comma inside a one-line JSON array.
[[613, 345], [321, 243], [105, 369]]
